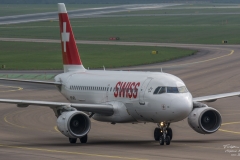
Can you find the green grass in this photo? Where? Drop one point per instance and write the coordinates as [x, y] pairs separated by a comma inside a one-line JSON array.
[[23, 55], [211, 29], [17, 9], [202, 29]]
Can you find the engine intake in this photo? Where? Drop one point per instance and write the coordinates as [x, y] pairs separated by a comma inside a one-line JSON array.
[[205, 120], [74, 124]]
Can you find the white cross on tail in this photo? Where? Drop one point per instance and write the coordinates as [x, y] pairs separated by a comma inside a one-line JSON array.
[[65, 36]]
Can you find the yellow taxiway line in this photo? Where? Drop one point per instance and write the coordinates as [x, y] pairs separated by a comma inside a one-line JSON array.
[[24, 127], [207, 60], [228, 131], [17, 88]]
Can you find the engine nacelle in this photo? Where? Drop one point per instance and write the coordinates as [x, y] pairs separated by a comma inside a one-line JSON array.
[[205, 120], [74, 124]]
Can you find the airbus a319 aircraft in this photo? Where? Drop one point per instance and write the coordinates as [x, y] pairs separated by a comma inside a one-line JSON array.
[[121, 97]]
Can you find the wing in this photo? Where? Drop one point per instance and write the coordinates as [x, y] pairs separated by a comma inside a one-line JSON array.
[[30, 81], [213, 98], [105, 109]]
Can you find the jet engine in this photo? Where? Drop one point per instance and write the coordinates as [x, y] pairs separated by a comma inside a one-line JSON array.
[[205, 120], [74, 124]]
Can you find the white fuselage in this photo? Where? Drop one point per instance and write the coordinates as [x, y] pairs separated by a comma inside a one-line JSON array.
[[130, 93]]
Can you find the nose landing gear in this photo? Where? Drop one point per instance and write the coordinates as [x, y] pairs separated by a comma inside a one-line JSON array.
[[163, 133]]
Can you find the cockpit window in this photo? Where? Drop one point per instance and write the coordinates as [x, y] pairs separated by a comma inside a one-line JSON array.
[[172, 90], [160, 90], [182, 89], [156, 90]]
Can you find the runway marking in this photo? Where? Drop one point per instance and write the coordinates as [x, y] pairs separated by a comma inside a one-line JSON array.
[[207, 60], [56, 129], [223, 130], [5, 119], [229, 123], [24, 127], [68, 152], [229, 131], [17, 88]]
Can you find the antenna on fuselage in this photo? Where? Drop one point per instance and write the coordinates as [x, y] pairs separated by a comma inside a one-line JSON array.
[[103, 68], [161, 70]]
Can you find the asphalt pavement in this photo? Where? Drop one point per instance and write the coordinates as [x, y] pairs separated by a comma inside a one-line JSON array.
[[30, 133]]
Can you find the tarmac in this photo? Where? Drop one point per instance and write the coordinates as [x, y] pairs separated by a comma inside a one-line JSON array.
[[30, 133]]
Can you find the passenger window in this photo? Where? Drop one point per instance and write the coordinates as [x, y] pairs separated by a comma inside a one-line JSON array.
[[162, 90], [156, 90]]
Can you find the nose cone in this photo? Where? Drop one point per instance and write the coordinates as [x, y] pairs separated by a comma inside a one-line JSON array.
[[182, 105]]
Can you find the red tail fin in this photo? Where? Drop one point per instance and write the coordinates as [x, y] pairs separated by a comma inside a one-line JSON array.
[[70, 55]]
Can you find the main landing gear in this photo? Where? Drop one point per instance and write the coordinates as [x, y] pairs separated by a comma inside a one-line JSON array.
[[82, 139], [163, 133]]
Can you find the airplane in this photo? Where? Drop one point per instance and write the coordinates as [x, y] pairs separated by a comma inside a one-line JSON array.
[[120, 97]]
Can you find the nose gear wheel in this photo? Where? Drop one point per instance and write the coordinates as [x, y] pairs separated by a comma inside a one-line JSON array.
[[163, 133]]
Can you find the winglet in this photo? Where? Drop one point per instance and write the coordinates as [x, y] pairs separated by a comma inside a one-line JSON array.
[[70, 55]]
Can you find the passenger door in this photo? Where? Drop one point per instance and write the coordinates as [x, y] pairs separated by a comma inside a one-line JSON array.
[[143, 89]]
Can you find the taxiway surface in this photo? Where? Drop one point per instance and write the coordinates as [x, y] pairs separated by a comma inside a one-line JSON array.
[[29, 133]]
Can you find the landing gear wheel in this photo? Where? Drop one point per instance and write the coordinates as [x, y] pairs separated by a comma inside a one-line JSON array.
[[157, 134], [169, 133], [166, 133], [84, 139], [161, 140], [167, 140], [72, 140]]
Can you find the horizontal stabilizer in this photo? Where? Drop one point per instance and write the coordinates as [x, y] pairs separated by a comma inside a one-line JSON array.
[[31, 81]]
